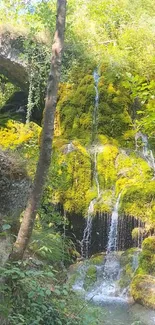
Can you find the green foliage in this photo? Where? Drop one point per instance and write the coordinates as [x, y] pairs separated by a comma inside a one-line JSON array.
[[90, 277], [28, 299], [23, 139], [138, 200], [6, 90], [76, 120], [52, 246], [106, 166], [35, 296], [70, 177]]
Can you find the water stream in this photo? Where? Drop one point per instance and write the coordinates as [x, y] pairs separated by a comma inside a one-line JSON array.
[[116, 304], [113, 234], [95, 112], [85, 242], [147, 153], [107, 289]]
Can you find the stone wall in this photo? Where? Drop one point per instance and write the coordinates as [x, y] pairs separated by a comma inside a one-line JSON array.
[[14, 187]]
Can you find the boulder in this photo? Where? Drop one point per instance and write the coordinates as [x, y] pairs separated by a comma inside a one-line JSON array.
[[143, 290], [14, 187]]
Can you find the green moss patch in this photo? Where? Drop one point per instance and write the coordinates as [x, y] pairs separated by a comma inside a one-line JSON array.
[[90, 277], [143, 290], [128, 270], [97, 259]]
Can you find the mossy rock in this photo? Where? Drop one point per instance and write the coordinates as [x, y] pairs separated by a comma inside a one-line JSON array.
[[127, 256], [128, 271], [143, 290], [90, 277], [97, 259], [147, 257], [149, 244]]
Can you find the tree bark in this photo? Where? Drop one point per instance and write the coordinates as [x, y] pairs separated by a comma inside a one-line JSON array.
[[44, 161]]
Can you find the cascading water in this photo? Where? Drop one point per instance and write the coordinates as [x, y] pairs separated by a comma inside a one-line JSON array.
[[147, 153], [86, 240], [112, 267], [106, 292], [113, 234], [87, 231], [107, 288], [96, 81]]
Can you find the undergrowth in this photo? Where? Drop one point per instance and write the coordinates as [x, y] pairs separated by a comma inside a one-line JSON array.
[[36, 296]]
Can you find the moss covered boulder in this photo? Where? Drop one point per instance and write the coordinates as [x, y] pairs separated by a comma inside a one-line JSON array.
[[143, 290], [90, 277], [97, 259], [129, 263], [147, 257]]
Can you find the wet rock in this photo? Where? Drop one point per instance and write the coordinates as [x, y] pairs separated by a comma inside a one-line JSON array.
[[143, 290], [14, 187], [90, 277], [11, 64]]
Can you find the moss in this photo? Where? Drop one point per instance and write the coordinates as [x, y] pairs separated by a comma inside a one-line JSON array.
[[16, 134], [106, 166], [76, 120], [126, 262], [90, 277], [143, 290], [149, 245], [97, 259], [147, 257]]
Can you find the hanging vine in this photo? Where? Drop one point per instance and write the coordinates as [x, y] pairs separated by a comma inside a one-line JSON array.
[[37, 57]]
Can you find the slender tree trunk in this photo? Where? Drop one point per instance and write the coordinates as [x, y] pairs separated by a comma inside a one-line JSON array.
[[47, 137]]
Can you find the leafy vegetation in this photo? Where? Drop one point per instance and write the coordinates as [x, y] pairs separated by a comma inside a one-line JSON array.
[[116, 37]]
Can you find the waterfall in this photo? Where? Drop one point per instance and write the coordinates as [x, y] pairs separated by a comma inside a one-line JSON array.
[[96, 81], [113, 234], [117, 232], [147, 153], [69, 148], [112, 267], [86, 240]]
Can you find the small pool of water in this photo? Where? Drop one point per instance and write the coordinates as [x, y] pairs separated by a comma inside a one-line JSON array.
[[121, 313]]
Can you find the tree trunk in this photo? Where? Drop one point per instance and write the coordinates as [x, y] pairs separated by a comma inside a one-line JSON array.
[[47, 137]]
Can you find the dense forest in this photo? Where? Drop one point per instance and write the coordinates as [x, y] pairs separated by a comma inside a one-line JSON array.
[[77, 229]]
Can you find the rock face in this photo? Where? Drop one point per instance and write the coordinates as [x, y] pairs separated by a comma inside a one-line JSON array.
[[15, 107], [14, 188], [11, 64], [143, 290]]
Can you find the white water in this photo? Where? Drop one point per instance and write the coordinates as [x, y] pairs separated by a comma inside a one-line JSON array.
[[69, 147], [113, 234], [106, 291], [147, 153], [86, 240], [96, 81], [107, 288]]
